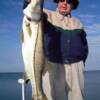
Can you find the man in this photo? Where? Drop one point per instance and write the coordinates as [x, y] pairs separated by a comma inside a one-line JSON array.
[[66, 51]]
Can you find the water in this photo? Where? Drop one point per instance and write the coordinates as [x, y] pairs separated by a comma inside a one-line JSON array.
[[92, 85], [10, 89]]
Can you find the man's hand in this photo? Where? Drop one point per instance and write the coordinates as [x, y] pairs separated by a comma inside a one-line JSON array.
[[34, 10]]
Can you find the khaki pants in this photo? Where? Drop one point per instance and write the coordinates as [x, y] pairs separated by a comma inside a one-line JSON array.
[[64, 81]]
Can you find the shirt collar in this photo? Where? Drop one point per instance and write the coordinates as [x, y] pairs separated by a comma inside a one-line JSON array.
[[61, 16]]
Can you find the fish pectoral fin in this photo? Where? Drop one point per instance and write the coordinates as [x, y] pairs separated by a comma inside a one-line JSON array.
[[25, 77], [47, 67], [22, 37]]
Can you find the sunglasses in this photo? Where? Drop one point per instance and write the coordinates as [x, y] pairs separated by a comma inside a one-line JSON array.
[[68, 1]]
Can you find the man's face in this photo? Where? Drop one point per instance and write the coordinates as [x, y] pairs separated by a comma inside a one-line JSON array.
[[64, 7]]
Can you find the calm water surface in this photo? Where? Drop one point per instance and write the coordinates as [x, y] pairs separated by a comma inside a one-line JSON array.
[[10, 89]]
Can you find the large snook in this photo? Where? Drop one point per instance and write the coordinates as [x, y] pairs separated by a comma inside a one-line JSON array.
[[32, 47]]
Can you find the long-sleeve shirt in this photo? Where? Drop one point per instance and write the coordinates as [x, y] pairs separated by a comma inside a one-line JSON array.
[[64, 39]]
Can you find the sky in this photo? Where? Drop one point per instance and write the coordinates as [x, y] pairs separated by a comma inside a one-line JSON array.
[[11, 15]]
